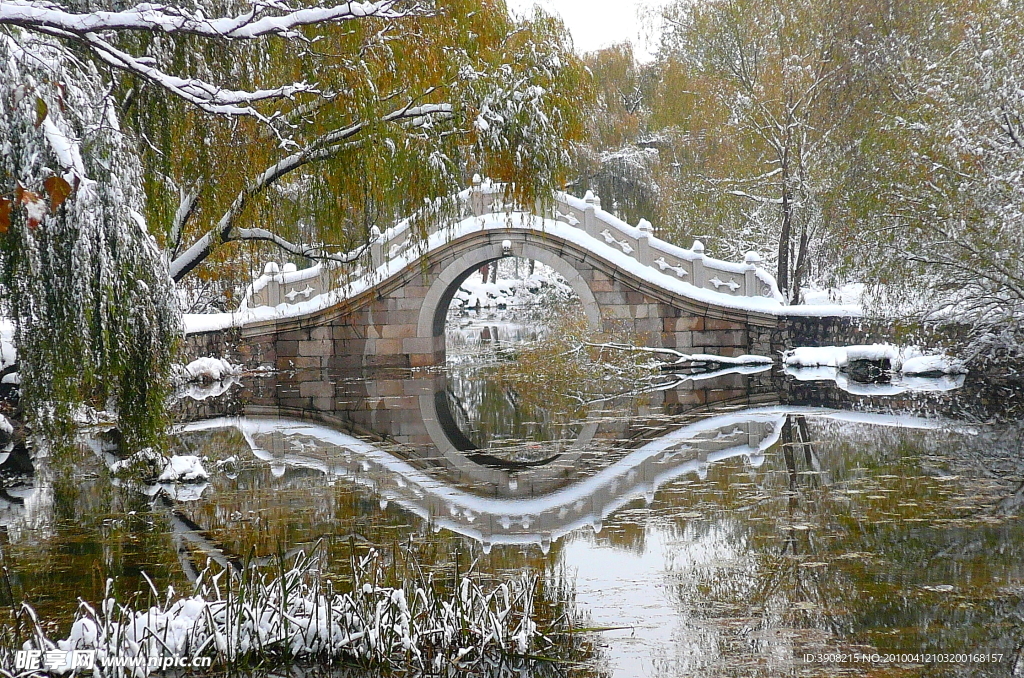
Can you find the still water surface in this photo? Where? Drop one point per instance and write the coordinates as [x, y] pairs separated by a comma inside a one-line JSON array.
[[731, 524]]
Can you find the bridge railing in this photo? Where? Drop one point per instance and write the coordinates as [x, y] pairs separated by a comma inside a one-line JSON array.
[[689, 265], [286, 285]]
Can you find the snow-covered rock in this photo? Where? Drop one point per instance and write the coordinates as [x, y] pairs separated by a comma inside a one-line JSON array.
[[209, 369], [932, 364], [908, 363], [146, 464], [183, 469], [151, 466], [816, 356]]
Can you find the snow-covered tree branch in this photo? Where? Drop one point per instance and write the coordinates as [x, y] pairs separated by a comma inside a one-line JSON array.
[[262, 19], [259, 20]]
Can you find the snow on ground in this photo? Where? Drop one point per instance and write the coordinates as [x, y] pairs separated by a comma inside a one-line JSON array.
[[5, 426], [931, 364]]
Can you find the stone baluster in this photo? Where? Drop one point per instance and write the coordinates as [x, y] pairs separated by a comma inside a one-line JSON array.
[[698, 264], [376, 248], [476, 196], [751, 260], [643, 243], [273, 287], [590, 213]]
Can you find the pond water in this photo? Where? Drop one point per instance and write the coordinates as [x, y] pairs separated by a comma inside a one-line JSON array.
[[732, 524]]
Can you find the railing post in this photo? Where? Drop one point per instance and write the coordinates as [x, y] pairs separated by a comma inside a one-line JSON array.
[[590, 213], [376, 248], [643, 242], [476, 196], [752, 259], [698, 264], [274, 284]]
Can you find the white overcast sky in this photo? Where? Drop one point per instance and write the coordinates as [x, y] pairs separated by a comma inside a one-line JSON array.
[[599, 23]]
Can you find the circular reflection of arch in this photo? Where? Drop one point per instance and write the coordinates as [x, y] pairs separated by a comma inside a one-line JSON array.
[[434, 310], [505, 479]]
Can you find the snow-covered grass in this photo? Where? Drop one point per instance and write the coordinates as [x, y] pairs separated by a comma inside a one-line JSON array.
[[391, 616]]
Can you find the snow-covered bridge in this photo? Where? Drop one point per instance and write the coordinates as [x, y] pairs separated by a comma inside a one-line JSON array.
[[389, 309]]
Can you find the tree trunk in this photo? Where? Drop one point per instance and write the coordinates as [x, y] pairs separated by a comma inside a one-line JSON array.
[[801, 264], [784, 238]]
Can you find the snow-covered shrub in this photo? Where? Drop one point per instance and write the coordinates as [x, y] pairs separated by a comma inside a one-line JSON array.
[[413, 624]]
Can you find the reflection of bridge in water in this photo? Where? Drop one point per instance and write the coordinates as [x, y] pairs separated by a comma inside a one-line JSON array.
[[420, 462]]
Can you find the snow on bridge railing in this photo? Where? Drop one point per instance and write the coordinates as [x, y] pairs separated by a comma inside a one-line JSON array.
[[287, 285], [689, 265]]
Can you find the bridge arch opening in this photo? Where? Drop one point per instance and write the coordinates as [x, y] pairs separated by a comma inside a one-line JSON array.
[[434, 311]]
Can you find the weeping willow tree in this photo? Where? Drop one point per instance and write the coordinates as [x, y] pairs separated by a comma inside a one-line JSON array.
[[297, 127], [86, 285]]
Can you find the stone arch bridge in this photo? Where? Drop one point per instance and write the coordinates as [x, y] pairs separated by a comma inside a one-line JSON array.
[[389, 310]]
